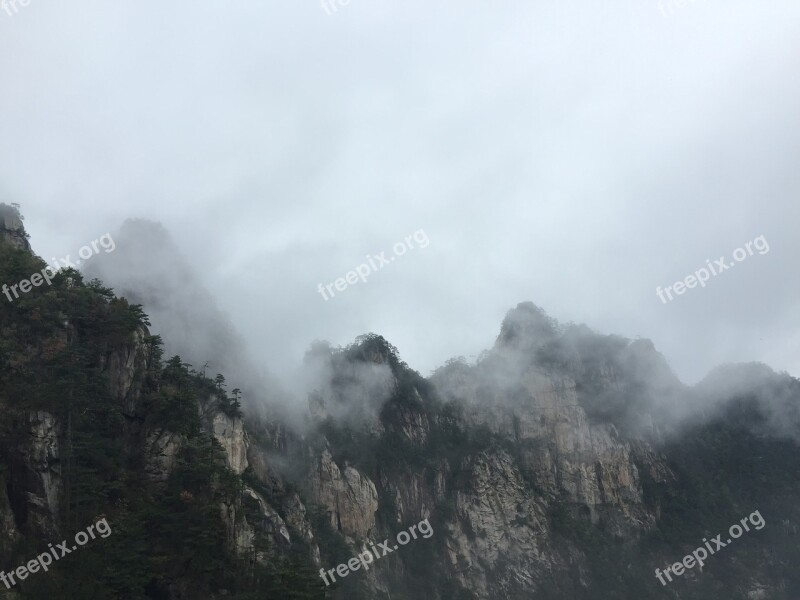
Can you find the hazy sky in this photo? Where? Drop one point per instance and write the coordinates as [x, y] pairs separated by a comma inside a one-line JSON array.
[[574, 154]]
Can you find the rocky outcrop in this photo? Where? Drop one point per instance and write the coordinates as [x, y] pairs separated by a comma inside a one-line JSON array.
[[230, 433], [349, 496], [42, 458], [125, 366], [569, 457], [517, 444], [252, 516], [554, 437], [297, 519], [499, 543], [33, 481], [11, 228], [161, 454], [35, 475]]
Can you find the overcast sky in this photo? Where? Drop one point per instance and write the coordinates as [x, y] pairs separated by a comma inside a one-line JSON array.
[[574, 154]]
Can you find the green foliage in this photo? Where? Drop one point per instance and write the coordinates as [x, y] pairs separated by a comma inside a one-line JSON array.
[[56, 345]]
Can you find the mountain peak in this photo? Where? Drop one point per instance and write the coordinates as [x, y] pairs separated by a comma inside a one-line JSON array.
[[11, 228], [526, 326]]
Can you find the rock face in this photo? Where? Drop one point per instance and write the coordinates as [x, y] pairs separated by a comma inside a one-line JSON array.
[[501, 455], [161, 454], [583, 463], [297, 518], [500, 538], [34, 479], [252, 516], [125, 366], [556, 438], [32, 488], [230, 433], [36, 446], [349, 496], [11, 227]]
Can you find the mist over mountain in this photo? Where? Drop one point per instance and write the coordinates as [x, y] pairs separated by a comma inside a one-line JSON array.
[[561, 463], [645, 397], [557, 449], [148, 268], [353, 300]]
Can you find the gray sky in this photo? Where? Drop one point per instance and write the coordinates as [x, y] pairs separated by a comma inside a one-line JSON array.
[[576, 154]]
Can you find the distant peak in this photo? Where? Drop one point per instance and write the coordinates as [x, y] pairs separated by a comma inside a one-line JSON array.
[[11, 228], [526, 325]]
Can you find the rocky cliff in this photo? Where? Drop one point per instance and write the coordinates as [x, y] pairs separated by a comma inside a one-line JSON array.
[[12, 230], [551, 468], [561, 464]]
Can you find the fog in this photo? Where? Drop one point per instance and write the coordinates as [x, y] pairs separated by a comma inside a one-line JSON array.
[[577, 155]]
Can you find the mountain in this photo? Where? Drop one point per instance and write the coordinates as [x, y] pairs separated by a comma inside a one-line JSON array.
[[562, 464]]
